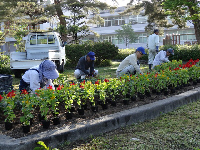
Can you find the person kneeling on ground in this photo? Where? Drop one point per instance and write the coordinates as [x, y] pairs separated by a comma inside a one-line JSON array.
[[39, 76], [162, 57], [85, 66], [130, 64]]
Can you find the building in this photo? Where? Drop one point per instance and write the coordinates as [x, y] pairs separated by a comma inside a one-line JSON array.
[[113, 21]]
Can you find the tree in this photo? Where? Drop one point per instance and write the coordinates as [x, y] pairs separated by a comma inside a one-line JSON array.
[[77, 21], [126, 33], [20, 12], [157, 11], [157, 18], [186, 10]]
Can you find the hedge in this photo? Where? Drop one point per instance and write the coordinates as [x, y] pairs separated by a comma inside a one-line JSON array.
[[5, 64], [181, 52], [103, 51]]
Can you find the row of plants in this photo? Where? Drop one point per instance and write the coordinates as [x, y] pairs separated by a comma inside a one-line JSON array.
[[75, 96]]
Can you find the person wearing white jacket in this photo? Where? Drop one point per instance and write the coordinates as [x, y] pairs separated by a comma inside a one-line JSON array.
[[162, 57], [130, 64], [39, 76], [153, 46]]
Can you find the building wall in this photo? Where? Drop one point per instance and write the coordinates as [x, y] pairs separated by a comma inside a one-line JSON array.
[[113, 21]]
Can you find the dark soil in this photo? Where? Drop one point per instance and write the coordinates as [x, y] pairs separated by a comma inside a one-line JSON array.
[[36, 127]]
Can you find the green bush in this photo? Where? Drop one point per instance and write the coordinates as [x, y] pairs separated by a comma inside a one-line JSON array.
[[105, 63], [123, 53], [5, 64], [103, 51], [183, 52]]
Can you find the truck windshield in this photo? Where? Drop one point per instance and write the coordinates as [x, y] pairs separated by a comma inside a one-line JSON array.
[[42, 39]]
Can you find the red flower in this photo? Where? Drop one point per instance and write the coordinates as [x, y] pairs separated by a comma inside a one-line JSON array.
[[180, 65], [11, 94], [83, 82], [72, 84], [176, 69], [50, 87], [81, 86], [193, 63], [97, 82], [24, 91], [106, 80], [190, 60], [1, 97], [59, 87]]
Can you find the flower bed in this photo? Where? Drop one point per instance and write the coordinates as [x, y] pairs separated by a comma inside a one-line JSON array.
[[79, 97]]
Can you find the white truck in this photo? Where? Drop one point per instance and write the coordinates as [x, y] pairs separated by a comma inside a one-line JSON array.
[[38, 47]]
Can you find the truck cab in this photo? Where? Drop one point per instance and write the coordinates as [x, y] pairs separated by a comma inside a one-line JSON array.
[[39, 46]]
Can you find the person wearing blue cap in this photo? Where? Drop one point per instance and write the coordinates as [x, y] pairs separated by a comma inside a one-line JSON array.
[[130, 64], [85, 66], [162, 57], [39, 76], [153, 46]]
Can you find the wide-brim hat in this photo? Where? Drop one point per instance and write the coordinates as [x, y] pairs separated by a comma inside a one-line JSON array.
[[49, 70]]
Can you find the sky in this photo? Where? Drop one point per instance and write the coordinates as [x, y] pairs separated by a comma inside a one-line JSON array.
[[121, 2]]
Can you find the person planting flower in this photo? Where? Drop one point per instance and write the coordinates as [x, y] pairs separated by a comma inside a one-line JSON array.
[[130, 64], [162, 57], [39, 76]]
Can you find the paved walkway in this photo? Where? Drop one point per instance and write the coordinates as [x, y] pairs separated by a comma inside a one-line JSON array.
[[100, 125]]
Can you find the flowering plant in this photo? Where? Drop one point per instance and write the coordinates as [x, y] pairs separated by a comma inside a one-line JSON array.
[[26, 109], [9, 105]]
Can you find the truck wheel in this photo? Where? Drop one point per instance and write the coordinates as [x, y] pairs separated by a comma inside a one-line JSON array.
[[18, 74]]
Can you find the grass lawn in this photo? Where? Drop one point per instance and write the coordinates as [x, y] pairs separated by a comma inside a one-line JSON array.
[[177, 130]]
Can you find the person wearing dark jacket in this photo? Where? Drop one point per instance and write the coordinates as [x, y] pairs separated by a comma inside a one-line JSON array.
[[85, 66]]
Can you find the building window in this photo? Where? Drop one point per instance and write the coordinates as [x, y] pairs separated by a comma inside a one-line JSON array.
[[31, 27], [119, 21], [142, 38], [108, 22], [137, 19]]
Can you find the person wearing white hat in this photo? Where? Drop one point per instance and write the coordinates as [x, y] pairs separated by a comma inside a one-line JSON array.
[[39, 76], [130, 64], [85, 66], [162, 57]]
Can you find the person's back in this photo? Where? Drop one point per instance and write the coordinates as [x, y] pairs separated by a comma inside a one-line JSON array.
[[153, 41], [153, 45], [162, 57]]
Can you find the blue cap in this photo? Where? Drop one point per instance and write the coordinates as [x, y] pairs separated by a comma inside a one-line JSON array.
[[141, 49], [170, 50], [155, 30], [91, 55]]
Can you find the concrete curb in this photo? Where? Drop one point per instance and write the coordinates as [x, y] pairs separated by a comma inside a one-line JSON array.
[[100, 125]]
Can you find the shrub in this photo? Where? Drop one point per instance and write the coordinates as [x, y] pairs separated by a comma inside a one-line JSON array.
[[103, 51], [5, 64], [123, 53], [183, 52]]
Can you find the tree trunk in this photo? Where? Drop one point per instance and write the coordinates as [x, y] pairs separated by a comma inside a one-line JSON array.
[[196, 23], [62, 19], [197, 30]]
